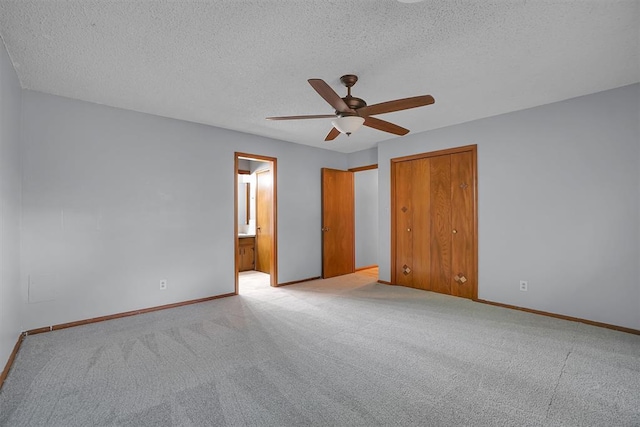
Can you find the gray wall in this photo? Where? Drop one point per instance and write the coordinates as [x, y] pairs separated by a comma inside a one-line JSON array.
[[114, 201], [366, 207], [10, 172], [558, 204], [363, 158]]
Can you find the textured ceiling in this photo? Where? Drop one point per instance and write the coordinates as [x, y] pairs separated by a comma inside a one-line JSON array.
[[232, 63]]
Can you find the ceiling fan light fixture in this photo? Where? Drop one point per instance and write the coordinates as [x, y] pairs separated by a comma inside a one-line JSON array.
[[348, 124]]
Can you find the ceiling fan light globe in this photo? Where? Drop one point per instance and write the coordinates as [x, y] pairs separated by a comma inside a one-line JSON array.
[[348, 124]]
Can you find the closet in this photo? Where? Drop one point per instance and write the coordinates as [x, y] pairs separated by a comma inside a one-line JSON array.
[[433, 224]]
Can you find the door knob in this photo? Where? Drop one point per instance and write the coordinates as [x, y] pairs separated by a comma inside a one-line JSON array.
[[408, 229], [455, 231]]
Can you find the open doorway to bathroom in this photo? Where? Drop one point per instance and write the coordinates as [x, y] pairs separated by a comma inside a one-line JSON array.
[[256, 221]]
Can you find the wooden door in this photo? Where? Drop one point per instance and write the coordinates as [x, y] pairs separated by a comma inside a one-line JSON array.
[[403, 186], [434, 240], [463, 245], [338, 223], [420, 229], [439, 228], [264, 233], [412, 223]]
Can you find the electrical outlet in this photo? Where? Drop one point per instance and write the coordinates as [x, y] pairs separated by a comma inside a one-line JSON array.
[[524, 285], [163, 284]]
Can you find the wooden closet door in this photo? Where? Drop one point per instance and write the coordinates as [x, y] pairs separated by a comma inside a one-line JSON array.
[[403, 189], [434, 211], [463, 281], [421, 230], [440, 224], [413, 230]]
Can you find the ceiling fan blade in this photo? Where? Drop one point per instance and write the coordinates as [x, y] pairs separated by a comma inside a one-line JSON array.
[[329, 95], [396, 105], [316, 116], [385, 126], [333, 133]]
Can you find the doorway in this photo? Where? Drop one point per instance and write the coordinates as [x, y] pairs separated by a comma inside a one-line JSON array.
[[366, 223], [350, 221], [255, 222]]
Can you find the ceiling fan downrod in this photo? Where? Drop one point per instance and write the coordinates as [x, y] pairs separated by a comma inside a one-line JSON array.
[[352, 102]]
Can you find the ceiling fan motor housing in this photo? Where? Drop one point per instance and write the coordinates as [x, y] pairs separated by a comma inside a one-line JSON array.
[[353, 103]]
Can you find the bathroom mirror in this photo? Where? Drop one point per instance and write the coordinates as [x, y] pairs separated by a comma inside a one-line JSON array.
[[244, 198]]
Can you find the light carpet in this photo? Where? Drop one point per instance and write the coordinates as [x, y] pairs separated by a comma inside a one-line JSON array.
[[340, 352], [252, 280]]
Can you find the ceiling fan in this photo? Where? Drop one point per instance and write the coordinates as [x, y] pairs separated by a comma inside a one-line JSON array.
[[351, 112]]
